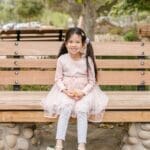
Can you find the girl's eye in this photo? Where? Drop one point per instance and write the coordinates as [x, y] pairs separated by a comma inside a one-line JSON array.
[[74, 42]]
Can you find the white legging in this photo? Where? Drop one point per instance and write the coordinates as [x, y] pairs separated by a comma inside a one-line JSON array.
[[62, 125]]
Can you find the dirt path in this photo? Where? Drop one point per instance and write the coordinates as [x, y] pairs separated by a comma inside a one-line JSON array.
[[100, 137]]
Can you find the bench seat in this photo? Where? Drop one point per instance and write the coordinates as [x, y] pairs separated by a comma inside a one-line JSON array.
[[123, 106]]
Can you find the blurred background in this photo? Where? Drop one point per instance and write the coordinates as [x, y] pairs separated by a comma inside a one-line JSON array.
[[103, 20]]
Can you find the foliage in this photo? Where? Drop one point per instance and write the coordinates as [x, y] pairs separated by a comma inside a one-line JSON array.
[[29, 8], [127, 7], [116, 30], [131, 36], [143, 15], [35, 87], [54, 18], [6, 13]]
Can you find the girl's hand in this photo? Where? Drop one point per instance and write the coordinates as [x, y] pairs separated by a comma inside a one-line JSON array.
[[68, 93], [78, 94], [74, 94]]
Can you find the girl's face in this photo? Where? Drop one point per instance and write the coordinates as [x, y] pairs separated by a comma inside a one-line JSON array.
[[74, 45]]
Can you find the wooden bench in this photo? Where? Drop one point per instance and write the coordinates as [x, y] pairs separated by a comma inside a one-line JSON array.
[[119, 70], [33, 34], [144, 30]]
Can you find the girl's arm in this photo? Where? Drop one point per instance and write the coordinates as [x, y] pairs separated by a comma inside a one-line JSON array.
[[59, 75], [59, 79], [91, 78]]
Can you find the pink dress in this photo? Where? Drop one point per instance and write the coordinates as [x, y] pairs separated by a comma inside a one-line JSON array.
[[72, 74]]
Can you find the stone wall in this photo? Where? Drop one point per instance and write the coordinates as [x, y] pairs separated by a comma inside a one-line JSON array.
[[116, 136], [23, 136], [138, 137], [18, 137]]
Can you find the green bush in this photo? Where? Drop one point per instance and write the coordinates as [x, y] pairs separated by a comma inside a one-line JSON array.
[[131, 36]]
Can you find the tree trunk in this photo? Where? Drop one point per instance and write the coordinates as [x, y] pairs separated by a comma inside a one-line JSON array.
[[89, 17]]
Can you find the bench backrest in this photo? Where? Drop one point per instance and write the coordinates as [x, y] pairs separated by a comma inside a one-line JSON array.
[[144, 30], [33, 34], [119, 63]]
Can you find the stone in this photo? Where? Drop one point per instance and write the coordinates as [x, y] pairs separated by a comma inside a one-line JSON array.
[[126, 147], [11, 140], [132, 130], [146, 126], [132, 140], [1, 145], [22, 144], [37, 132], [1, 131], [136, 147], [27, 133], [144, 135], [146, 143], [14, 130], [125, 138], [34, 141]]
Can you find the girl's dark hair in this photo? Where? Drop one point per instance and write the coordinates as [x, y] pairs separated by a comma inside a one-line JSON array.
[[89, 50]]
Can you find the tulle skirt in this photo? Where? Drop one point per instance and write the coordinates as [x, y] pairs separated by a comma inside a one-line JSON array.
[[94, 103]]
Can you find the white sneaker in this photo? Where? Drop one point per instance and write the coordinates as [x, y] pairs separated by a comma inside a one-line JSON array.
[[50, 148]]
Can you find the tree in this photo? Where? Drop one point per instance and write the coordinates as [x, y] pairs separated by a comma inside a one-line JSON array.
[[6, 12], [127, 7], [91, 10], [29, 8], [88, 9]]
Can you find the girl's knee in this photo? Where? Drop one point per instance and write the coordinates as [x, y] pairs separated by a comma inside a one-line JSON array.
[[80, 107], [66, 109]]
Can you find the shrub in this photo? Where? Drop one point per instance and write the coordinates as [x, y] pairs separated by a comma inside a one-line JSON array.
[[131, 36]]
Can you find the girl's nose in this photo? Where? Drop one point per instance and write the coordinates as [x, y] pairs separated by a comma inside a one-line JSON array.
[[73, 44]]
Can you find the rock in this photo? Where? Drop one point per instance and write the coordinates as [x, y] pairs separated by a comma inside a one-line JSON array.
[[34, 141], [27, 133], [1, 145], [125, 138], [132, 130], [22, 144], [107, 126], [145, 127], [126, 147], [11, 140], [146, 143], [37, 132], [1, 131], [14, 130], [144, 135], [132, 140]]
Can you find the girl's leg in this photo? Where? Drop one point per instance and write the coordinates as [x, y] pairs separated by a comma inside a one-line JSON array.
[[82, 125], [62, 126]]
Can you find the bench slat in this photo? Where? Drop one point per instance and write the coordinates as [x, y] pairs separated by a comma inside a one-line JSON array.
[[52, 48], [109, 116], [32, 31], [33, 62], [123, 63], [47, 77], [123, 77], [34, 38], [117, 100], [28, 63]]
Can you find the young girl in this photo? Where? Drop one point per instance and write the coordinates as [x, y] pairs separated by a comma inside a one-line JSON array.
[[75, 92]]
